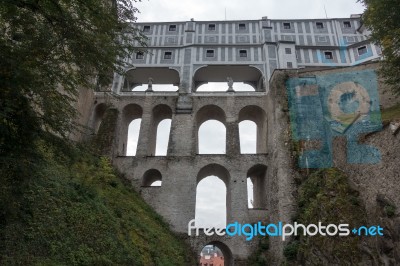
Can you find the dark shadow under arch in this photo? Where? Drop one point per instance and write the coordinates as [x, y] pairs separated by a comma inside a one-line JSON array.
[[257, 175], [150, 176]]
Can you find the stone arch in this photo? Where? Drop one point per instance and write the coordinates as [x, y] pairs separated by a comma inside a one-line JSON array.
[[239, 73], [257, 175], [205, 113], [129, 113], [98, 114], [257, 115], [160, 113], [226, 251], [222, 173], [150, 176]]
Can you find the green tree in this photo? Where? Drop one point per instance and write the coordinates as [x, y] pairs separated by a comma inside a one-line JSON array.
[[382, 17], [49, 49]]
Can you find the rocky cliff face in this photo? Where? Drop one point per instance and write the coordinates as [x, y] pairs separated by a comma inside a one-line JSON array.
[[364, 194]]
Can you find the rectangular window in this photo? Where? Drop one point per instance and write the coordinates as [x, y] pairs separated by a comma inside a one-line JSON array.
[[242, 26], [320, 25], [139, 55], [167, 55], [243, 53], [210, 53], [286, 26], [328, 55], [362, 50], [288, 51], [172, 28], [211, 27], [322, 39], [346, 24], [146, 28], [289, 65]]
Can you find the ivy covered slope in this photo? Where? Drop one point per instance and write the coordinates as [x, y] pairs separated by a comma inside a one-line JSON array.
[[75, 210]]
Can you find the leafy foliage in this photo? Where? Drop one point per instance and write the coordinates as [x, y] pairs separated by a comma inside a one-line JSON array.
[[382, 17], [50, 49]]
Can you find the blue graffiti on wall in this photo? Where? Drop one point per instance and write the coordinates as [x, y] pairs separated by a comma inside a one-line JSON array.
[[328, 106]]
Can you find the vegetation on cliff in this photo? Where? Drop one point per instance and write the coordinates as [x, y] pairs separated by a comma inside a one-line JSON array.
[[325, 196], [74, 209]]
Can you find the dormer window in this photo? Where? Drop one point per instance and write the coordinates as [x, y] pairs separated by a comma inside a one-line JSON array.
[[211, 27], [146, 28], [172, 28], [167, 55], [346, 24], [210, 53], [139, 55], [320, 25], [328, 55], [243, 53], [362, 50]]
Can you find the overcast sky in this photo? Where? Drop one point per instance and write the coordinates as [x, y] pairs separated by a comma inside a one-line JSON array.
[[184, 10], [211, 192]]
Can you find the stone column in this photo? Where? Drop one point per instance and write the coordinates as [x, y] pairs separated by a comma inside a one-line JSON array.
[[238, 199], [181, 136], [144, 135], [232, 137]]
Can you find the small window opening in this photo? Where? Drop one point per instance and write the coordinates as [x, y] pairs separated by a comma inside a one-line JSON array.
[[328, 55], [286, 26], [167, 55], [139, 55], [172, 28], [347, 24], [242, 26], [362, 50], [210, 53], [146, 28]]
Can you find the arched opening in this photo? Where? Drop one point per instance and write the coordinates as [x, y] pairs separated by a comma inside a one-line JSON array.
[[256, 115], [152, 178], [256, 187], [212, 138], [133, 137], [130, 129], [230, 76], [151, 79], [163, 131], [224, 86], [98, 115], [160, 130], [212, 197], [210, 203], [210, 130], [248, 137], [250, 194], [216, 253]]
